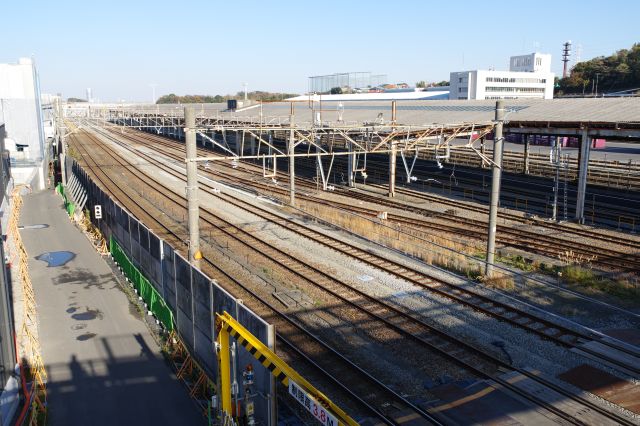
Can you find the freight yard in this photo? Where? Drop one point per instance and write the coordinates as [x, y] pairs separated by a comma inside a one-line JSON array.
[[346, 248], [351, 267]]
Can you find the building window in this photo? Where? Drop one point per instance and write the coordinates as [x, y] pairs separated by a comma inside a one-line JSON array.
[[515, 89], [515, 80]]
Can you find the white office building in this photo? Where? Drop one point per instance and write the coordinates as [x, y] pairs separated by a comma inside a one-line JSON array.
[[529, 76], [21, 111]]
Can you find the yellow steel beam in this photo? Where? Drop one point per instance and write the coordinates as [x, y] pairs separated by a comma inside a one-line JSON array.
[[228, 326], [225, 364]]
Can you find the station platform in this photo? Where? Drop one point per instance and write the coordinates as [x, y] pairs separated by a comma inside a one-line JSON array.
[[104, 366]]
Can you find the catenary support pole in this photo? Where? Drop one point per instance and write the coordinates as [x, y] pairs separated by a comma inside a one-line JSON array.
[[556, 180], [392, 154], [527, 149], [585, 148], [392, 169], [192, 186], [292, 158], [495, 187], [351, 159], [62, 155]]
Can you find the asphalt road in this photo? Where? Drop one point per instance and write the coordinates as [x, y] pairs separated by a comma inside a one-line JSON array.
[[104, 367]]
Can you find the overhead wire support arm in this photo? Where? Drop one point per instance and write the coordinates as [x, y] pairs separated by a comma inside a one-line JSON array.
[[329, 137], [216, 143]]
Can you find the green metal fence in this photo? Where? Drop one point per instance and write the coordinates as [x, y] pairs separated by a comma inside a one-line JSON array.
[[149, 294], [68, 206]]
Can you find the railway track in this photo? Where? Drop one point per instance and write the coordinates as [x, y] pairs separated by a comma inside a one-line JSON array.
[[592, 234], [373, 396], [522, 319], [393, 317], [420, 195], [525, 240], [534, 242], [605, 173], [547, 245], [532, 195], [520, 239], [475, 207]]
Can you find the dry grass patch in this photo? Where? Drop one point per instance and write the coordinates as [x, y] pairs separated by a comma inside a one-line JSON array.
[[431, 249], [501, 281]]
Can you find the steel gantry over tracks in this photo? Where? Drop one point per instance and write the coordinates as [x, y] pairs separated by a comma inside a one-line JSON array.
[[280, 137], [269, 138]]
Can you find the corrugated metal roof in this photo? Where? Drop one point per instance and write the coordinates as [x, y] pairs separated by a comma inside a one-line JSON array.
[[583, 110], [383, 96], [607, 111]]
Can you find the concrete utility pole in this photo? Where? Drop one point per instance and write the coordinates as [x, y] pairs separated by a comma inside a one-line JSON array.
[[62, 155], [527, 149], [292, 158], [192, 186], [556, 182], [392, 154], [351, 159], [583, 171], [495, 187]]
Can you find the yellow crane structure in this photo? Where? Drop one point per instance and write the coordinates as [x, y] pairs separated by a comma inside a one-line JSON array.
[[314, 401]]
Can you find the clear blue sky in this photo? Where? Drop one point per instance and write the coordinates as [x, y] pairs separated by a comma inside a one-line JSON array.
[[119, 47]]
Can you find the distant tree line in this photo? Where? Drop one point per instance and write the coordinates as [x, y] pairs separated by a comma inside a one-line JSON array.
[[423, 84], [257, 95], [620, 71], [189, 99], [76, 100]]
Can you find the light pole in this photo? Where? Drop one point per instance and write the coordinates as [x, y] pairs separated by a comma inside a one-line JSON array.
[[153, 93], [597, 78]]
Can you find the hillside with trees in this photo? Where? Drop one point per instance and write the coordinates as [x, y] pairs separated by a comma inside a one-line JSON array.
[[618, 72], [254, 96]]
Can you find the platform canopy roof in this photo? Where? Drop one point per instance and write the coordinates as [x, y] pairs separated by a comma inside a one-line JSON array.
[[615, 115], [585, 110]]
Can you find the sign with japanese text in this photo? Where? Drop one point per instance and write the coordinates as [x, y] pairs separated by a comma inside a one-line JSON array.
[[314, 407]]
